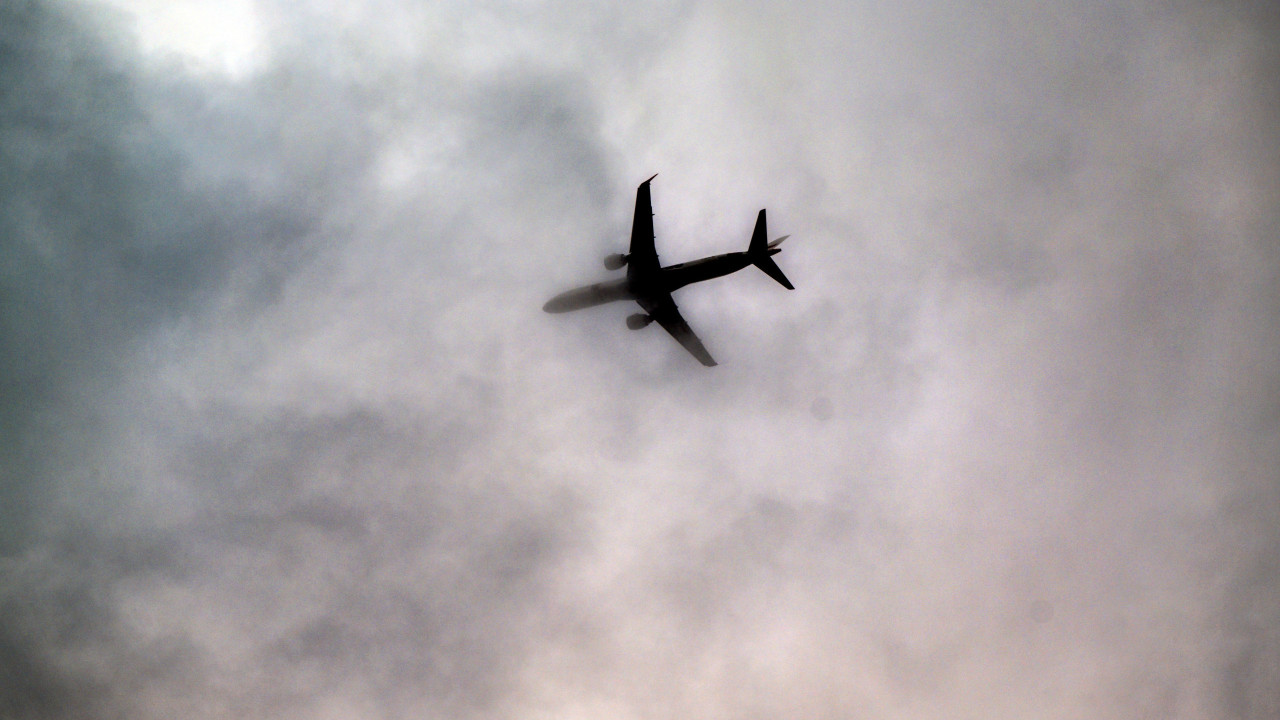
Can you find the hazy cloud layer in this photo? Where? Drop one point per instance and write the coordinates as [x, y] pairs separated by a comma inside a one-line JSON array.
[[286, 434]]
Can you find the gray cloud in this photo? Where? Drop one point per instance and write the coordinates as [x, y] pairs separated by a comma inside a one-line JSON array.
[[287, 435]]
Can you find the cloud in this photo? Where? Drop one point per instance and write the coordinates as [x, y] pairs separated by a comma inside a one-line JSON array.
[[289, 436]]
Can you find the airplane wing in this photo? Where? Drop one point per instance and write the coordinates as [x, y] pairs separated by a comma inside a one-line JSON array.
[[643, 258], [664, 310]]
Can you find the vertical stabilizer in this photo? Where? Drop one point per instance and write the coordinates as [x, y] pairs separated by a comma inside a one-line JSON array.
[[759, 251], [759, 241]]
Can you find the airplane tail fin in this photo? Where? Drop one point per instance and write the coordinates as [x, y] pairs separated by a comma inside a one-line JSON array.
[[760, 250]]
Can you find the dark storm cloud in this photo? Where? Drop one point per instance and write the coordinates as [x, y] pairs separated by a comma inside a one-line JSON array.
[[101, 237], [102, 240], [133, 210]]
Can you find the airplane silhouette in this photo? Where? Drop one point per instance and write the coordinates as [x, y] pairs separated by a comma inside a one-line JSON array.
[[650, 284]]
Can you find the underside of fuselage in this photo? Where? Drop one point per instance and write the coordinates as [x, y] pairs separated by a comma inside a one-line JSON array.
[[633, 287], [677, 276]]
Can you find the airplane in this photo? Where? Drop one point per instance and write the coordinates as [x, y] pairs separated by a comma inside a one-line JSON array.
[[651, 285]]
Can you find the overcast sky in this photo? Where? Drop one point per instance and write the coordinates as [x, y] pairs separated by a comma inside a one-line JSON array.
[[284, 432]]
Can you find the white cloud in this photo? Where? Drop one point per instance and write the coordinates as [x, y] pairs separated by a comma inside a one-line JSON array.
[[225, 37]]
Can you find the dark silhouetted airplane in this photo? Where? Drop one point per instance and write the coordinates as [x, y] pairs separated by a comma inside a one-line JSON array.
[[650, 284]]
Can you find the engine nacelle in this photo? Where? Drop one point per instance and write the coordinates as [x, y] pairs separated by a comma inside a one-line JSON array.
[[614, 261], [638, 321]]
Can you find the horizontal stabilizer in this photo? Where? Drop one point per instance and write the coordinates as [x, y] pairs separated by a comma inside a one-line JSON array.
[[766, 263]]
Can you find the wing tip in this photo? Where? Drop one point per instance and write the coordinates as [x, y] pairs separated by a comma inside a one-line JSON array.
[[701, 353]]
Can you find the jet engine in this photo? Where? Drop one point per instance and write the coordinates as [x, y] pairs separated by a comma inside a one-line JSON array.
[[638, 321], [614, 261]]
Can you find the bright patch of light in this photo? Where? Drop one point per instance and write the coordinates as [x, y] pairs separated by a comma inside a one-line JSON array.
[[224, 36]]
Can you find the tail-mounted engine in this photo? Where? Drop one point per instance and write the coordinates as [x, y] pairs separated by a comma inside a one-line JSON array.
[[614, 261]]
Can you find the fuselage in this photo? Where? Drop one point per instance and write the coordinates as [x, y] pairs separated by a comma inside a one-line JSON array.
[[638, 285], [674, 277]]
